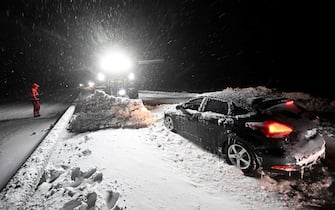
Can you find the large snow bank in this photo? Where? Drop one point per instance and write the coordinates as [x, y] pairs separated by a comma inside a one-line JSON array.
[[312, 103], [99, 110]]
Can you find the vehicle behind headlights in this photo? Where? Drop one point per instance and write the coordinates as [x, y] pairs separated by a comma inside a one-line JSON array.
[[122, 92]]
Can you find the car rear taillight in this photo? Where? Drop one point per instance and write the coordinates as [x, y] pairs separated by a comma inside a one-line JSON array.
[[271, 129], [285, 168], [289, 103]]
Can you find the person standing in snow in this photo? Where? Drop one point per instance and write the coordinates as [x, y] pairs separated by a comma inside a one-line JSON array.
[[35, 99]]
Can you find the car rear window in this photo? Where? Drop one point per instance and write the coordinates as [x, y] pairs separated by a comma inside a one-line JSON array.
[[239, 110], [216, 106]]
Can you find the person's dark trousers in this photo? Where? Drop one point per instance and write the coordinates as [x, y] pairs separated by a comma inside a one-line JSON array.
[[37, 106]]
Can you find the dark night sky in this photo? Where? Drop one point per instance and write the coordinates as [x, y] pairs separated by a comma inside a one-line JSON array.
[[206, 45]]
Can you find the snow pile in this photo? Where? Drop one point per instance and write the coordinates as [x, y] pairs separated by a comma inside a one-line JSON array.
[[312, 103], [313, 192], [99, 110]]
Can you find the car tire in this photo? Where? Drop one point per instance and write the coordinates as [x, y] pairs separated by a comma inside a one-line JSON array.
[[240, 155], [168, 122]]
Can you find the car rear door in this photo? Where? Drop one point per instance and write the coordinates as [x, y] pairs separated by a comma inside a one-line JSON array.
[[209, 130]]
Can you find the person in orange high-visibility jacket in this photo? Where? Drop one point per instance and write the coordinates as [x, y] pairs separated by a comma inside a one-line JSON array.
[[35, 99]]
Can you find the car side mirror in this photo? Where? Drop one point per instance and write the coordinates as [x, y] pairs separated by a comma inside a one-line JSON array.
[[182, 109], [179, 106]]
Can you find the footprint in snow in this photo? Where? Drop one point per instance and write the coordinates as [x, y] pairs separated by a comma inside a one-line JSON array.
[[88, 203], [112, 198], [71, 205], [50, 175], [91, 198], [79, 176], [86, 152]]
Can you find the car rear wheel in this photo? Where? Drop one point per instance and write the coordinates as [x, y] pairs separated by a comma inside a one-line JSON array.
[[241, 156], [168, 122]]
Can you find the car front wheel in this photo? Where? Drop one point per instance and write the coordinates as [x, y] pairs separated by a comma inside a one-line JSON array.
[[168, 122], [242, 157]]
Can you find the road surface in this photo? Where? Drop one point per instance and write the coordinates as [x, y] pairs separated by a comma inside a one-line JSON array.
[[21, 133]]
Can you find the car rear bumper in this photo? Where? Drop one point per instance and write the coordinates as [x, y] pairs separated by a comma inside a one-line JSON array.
[[298, 157]]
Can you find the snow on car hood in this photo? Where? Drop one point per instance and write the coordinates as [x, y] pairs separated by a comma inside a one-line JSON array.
[[100, 110]]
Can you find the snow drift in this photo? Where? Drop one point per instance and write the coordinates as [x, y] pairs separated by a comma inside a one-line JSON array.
[[312, 103], [99, 110]]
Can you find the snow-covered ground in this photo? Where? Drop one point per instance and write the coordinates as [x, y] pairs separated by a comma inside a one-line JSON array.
[[131, 161]]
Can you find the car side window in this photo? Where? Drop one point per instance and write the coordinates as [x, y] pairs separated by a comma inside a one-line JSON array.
[[239, 110], [216, 106], [193, 104]]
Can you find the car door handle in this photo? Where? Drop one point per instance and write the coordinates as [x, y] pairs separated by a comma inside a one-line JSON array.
[[195, 116]]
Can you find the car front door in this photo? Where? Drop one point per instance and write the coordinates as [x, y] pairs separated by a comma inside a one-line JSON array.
[[188, 121]]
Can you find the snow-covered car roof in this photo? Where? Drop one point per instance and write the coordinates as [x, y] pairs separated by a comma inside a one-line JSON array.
[[245, 98]]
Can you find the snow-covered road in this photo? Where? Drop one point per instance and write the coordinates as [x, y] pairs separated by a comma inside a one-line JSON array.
[[18, 139], [20, 133]]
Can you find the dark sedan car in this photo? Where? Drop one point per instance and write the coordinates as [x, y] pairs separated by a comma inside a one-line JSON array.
[[253, 131]]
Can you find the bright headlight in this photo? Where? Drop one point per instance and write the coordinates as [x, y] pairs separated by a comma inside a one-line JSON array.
[[101, 77], [122, 92], [131, 76], [91, 84], [115, 62]]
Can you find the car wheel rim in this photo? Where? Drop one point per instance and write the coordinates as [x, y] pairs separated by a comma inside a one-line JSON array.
[[239, 156], [168, 123]]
